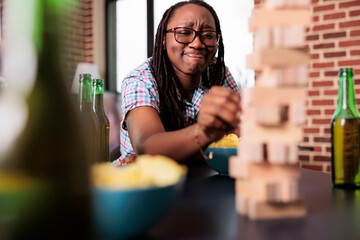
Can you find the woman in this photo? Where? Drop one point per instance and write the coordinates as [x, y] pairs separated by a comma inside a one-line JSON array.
[[183, 98]]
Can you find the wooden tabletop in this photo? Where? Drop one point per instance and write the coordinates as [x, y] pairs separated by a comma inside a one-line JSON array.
[[206, 210]]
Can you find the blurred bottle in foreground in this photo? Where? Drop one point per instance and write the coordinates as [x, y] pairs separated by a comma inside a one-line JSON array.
[[45, 190], [103, 121], [345, 135], [89, 120]]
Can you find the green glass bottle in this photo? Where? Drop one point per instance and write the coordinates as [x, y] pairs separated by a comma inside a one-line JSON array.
[[90, 126], [103, 121], [345, 135], [50, 150]]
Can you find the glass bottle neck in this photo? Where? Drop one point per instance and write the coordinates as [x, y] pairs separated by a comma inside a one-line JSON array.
[[98, 91], [346, 96]]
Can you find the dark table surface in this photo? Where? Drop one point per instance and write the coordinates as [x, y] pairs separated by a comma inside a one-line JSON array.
[[206, 210]]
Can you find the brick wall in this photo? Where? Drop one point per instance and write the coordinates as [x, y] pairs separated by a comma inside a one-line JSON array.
[[333, 41], [78, 43]]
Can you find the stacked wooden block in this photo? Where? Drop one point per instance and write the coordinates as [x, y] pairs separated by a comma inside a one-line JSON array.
[[266, 167]]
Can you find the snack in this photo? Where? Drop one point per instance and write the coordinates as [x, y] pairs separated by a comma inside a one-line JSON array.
[[231, 140], [146, 171]]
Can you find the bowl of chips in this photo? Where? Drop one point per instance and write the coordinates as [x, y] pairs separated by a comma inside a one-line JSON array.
[[218, 153], [129, 200]]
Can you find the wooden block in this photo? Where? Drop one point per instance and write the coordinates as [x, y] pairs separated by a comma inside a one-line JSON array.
[[288, 76], [241, 204], [240, 168], [282, 153], [278, 57], [271, 4], [282, 134], [263, 210], [262, 17], [297, 113], [279, 37], [251, 151], [268, 190], [270, 115], [275, 96]]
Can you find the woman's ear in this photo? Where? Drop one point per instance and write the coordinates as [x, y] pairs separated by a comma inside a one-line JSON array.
[[163, 43]]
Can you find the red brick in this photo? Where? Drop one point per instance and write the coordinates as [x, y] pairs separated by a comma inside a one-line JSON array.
[[313, 112], [328, 149], [328, 130], [313, 93], [324, 27], [349, 63], [354, 52], [314, 74], [330, 73], [322, 139], [324, 8], [311, 130], [354, 13], [334, 54], [323, 65], [304, 158], [328, 169], [315, 18], [328, 102], [314, 56], [355, 33], [334, 35], [312, 37], [306, 139], [349, 43], [322, 83], [354, 23], [356, 71], [322, 158], [331, 92], [312, 167], [349, 4], [329, 112], [334, 15], [323, 45]]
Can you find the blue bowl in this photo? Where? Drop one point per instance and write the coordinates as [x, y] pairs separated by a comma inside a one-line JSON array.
[[220, 158], [122, 214]]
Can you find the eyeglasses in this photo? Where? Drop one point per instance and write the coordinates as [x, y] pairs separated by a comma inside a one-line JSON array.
[[187, 35]]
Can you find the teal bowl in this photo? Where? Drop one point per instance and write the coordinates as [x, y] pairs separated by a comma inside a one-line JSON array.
[[219, 158], [121, 214]]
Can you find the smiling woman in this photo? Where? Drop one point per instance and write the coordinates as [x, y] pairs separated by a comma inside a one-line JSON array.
[[166, 102]]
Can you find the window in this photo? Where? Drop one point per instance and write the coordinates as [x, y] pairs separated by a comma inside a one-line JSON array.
[[133, 32]]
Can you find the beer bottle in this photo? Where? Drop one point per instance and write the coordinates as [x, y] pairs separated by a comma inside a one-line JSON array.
[[103, 121], [345, 136], [90, 126], [50, 150]]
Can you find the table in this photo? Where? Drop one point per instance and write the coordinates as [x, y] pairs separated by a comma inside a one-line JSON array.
[[206, 210]]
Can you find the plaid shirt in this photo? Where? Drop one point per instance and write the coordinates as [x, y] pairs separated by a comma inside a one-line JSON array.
[[139, 88]]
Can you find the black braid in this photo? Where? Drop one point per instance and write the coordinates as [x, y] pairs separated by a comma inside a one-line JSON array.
[[171, 108]]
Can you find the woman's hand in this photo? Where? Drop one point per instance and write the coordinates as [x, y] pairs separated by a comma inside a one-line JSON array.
[[219, 112]]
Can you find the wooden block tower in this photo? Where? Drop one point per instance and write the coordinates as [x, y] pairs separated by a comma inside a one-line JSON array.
[[266, 166]]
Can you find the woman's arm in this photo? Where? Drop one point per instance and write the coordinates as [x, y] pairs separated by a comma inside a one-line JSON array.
[[219, 114]]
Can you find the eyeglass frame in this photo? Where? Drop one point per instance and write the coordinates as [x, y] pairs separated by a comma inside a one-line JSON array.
[[197, 33]]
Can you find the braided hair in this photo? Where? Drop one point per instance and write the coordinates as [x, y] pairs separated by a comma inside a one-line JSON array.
[[171, 108]]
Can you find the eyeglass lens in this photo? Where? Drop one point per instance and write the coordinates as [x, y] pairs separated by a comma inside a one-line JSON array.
[[188, 35]]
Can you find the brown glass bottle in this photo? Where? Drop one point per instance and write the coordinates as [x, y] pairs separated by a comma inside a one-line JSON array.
[[345, 135], [103, 121]]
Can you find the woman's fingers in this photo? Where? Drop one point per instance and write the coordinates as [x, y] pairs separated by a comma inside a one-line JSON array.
[[220, 107]]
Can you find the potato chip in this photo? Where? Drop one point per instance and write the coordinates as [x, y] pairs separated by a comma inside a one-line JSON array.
[[230, 140], [146, 171]]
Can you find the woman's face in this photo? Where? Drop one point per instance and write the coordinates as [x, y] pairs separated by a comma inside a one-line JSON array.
[[192, 58]]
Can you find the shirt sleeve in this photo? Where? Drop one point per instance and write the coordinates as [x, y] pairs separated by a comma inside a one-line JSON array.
[[230, 81], [137, 91]]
